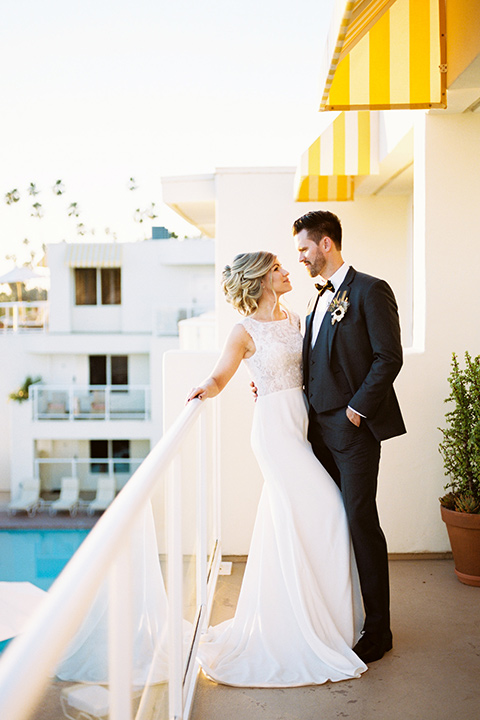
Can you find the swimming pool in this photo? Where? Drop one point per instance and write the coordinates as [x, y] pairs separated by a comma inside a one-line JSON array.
[[37, 556]]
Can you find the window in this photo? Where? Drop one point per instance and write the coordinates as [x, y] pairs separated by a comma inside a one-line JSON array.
[[99, 449], [108, 369], [106, 449], [119, 369], [94, 283], [85, 286], [111, 286], [121, 449]]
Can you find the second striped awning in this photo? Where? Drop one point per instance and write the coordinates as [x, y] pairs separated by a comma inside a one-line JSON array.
[[346, 148], [94, 255], [385, 54]]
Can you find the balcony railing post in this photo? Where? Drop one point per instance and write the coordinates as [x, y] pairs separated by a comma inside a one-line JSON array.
[[175, 588], [120, 635], [71, 400], [34, 402], [146, 401], [216, 469], [106, 400], [201, 506]]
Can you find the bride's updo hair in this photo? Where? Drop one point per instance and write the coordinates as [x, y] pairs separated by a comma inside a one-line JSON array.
[[242, 280]]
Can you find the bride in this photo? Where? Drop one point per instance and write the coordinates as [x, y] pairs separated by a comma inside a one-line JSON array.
[[299, 611]]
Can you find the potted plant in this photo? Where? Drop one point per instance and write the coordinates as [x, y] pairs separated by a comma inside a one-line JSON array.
[[22, 393], [460, 449]]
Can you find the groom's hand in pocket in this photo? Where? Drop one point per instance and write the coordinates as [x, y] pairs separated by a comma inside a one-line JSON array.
[[354, 417]]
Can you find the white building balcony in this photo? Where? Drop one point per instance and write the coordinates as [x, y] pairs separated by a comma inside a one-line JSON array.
[[90, 402], [24, 316], [51, 470]]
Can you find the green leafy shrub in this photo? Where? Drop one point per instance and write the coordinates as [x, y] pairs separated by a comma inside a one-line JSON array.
[[460, 448]]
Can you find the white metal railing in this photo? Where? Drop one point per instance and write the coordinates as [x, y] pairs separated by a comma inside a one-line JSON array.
[[32, 656], [23, 316], [50, 470], [90, 402]]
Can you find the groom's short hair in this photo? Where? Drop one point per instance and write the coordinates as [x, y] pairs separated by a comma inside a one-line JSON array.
[[320, 223]]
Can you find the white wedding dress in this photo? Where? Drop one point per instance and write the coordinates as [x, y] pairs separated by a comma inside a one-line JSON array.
[[86, 658], [299, 612]]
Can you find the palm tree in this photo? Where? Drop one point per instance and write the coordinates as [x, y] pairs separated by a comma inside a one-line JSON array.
[[59, 188], [37, 210], [12, 197]]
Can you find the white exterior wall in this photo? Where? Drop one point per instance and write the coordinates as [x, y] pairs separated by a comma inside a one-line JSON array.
[[446, 192], [413, 241]]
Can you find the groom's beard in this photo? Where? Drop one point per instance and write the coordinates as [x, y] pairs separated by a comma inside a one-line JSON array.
[[317, 266]]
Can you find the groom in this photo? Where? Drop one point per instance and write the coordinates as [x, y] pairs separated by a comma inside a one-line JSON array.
[[351, 356]]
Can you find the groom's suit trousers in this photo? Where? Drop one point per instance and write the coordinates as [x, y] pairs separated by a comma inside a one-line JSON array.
[[351, 455]]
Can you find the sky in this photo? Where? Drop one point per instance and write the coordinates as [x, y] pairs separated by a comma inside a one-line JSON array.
[[96, 92]]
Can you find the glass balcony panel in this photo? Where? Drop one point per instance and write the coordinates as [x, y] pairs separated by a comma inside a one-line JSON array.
[[91, 402], [127, 403], [52, 404]]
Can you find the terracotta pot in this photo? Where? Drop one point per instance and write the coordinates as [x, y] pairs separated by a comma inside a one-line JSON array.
[[464, 535]]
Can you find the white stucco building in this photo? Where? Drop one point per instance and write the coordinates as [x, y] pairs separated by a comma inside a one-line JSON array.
[[113, 312]]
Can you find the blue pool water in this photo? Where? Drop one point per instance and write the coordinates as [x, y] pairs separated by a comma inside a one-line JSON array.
[[36, 556]]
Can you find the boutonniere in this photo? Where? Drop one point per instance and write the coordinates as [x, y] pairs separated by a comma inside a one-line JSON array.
[[338, 307]]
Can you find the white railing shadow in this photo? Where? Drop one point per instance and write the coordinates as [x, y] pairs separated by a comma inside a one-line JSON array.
[[30, 660]]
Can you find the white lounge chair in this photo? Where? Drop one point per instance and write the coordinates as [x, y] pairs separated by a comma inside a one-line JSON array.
[[28, 498], [92, 702], [69, 499], [105, 495], [85, 702]]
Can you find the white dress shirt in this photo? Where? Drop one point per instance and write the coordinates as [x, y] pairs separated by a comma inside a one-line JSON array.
[[323, 303], [322, 306]]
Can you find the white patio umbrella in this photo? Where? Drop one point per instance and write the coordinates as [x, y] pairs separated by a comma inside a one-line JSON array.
[[21, 275], [18, 601]]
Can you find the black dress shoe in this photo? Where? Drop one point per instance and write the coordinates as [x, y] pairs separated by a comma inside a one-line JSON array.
[[373, 647]]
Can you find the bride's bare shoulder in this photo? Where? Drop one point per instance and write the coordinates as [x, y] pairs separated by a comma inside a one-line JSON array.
[[239, 335]]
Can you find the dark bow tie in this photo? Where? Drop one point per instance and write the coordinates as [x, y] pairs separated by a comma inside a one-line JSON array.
[[323, 288]]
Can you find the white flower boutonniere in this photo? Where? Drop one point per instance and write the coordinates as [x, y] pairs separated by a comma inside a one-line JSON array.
[[338, 307]]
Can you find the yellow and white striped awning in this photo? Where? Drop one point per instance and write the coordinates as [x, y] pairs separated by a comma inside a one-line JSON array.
[[346, 148], [94, 255], [385, 54]]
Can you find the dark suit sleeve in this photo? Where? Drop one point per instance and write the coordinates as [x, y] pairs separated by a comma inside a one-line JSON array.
[[380, 314]]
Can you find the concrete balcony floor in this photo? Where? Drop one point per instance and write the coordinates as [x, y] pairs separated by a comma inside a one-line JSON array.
[[432, 673]]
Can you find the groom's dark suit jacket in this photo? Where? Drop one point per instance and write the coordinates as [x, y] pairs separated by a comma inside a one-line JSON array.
[[355, 361]]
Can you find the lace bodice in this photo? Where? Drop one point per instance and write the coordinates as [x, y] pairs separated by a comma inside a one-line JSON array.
[[277, 362]]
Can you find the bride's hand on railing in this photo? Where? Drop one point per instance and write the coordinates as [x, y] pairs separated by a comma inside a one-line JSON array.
[[199, 392]]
